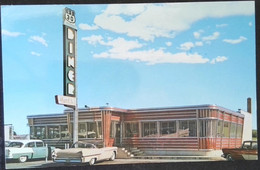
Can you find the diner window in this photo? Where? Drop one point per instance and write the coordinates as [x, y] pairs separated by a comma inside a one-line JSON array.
[[82, 130], [220, 128], [168, 129], [64, 131], [38, 132], [132, 129], [233, 130], [187, 128], [53, 132], [94, 130], [207, 128], [239, 131], [226, 129], [90, 130], [149, 129]]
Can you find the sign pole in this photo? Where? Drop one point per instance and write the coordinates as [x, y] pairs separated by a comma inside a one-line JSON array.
[[75, 124], [76, 113]]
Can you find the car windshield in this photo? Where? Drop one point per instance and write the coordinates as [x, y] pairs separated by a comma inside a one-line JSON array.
[[7, 143], [15, 144], [83, 145]]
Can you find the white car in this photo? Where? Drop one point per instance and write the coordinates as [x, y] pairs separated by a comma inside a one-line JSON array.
[[22, 150], [83, 152]]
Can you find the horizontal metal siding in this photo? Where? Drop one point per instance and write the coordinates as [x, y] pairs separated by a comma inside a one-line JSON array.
[[227, 117], [162, 143], [240, 121], [185, 114], [207, 143], [87, 116], [228, 143], [50, 120]]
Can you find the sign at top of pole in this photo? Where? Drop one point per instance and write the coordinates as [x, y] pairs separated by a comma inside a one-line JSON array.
[[69, 18]]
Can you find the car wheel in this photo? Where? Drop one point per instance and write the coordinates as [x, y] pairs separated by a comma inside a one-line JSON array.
[[113, 156], [229, 157], [22, 159], [92, 161]]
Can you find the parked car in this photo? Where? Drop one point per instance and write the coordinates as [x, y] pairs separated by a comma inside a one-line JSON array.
[[83, 152], [7, 143], [22, 150], [248, 151]]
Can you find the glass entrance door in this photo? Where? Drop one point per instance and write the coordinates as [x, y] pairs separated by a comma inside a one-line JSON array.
[[115, 132]]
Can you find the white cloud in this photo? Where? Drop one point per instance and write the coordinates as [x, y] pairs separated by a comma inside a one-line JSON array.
[[38, 39], [168, 44], [155, 57], [35, 54], [127, 50], [94, 39], [11, 34], [87, 27], [218, 59], [214, 36], [196, 35], [199, 43], [250, 24], [121, 45], [148, 21], [186, 46], [235, 41]]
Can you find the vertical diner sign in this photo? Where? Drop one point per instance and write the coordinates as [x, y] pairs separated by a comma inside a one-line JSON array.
[[69, 53], [69, 97]]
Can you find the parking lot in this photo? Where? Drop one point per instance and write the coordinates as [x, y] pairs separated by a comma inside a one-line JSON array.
[[44, 164]]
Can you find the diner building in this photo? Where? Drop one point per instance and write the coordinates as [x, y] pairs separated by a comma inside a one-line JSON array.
[[187, 130]]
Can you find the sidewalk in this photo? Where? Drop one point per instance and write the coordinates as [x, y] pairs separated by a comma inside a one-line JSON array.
[[181, 157]]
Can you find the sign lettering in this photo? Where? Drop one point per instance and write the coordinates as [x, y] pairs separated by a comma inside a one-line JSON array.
[[65, 100], [71, 61]]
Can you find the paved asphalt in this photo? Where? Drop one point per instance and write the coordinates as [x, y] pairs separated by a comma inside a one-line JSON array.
[[44, 164]]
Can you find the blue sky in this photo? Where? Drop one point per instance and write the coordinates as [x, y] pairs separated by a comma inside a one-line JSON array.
[[130, 56]]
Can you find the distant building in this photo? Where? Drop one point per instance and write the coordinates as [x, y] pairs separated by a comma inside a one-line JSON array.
[[187, 130], [8, 132]]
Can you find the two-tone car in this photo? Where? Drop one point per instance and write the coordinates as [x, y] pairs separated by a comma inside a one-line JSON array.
[[248, 151], [23, 150], [84, 152]]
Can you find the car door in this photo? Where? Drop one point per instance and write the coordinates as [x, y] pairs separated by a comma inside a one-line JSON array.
[[252, 151], [30, 145], [247, 149], [40, 151]]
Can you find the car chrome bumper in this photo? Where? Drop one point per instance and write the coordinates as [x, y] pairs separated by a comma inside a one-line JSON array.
[[68, 160]]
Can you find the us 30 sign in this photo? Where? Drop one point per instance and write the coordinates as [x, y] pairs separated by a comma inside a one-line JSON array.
[[69, 52], [69, 17]]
